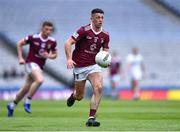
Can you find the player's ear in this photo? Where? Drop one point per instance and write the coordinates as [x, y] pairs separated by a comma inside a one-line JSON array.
[[91, 18]]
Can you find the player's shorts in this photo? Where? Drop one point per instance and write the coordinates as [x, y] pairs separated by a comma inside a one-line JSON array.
[[115, 78], [136, 76], [29, 67], [82, 73]]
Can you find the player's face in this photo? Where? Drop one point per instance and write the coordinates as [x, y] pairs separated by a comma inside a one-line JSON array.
[[47, 30], [135, 51], [97, 19]]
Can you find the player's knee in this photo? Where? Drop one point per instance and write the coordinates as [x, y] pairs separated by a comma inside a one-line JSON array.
[[98, 89], [40, 80]]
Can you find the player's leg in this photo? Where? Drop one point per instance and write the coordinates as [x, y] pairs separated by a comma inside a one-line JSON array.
[[38, 78], [96, 82], [113, 90], [114, 84], [135, 88], [22, 92], [78, 93]]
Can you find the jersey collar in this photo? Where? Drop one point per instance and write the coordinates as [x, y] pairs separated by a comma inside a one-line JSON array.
[[44, 40], [95, 31]]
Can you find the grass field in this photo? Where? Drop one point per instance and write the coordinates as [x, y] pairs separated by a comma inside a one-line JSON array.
[[113, 115]]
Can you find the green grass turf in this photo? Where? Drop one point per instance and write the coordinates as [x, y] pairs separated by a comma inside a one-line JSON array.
[[113, 115]]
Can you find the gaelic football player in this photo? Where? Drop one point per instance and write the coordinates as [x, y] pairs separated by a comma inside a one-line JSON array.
[[88, 41], [115, 74], [135, 68], [41, 47]]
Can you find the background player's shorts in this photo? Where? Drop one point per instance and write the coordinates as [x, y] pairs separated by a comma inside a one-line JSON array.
[[29, 67], [83, 72], [115, 78], [136, 76]]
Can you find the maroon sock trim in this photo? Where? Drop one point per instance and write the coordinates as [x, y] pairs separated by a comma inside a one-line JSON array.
[[92, 112]]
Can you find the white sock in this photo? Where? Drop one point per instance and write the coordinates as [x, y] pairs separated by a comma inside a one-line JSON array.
[[27, 101], [12, 105], [91, 117]]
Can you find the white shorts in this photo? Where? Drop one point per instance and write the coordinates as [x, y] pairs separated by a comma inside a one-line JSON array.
[[115, 78], [29, 67], [82, 73], [136, 76]]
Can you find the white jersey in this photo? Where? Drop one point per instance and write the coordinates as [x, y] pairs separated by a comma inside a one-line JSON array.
[[135, 62]]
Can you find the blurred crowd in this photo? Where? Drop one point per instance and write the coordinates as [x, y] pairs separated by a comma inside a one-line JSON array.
[[134, 69], [11, 73]]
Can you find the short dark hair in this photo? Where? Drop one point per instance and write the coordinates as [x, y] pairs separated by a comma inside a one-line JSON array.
[[47, 23], [97, 10]]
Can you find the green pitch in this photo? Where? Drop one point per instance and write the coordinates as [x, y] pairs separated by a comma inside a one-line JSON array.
[[113, 115]]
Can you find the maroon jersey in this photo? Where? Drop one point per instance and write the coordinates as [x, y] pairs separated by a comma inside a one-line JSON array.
[[115, 66], [88, 44], [38, 46]]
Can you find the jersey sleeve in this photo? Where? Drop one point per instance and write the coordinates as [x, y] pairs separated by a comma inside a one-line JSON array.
[[54, 47], [28, 39], [106, 43], [79, 34]]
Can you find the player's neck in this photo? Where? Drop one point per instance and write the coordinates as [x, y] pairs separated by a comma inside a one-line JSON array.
[[95, 29], [43, 36]]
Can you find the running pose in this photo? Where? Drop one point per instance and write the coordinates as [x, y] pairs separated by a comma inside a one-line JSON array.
[[88, 41], [42, 47]]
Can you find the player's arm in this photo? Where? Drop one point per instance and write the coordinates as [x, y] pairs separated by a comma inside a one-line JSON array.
[[68, 44], [106, 49], [52, 55], [20, 45]]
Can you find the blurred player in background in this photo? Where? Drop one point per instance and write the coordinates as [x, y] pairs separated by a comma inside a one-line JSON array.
[[88, 41], [42, 47], [135, 68], [115, 73]]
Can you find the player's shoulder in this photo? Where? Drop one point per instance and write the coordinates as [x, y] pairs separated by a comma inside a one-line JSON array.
[[52, 39], [35, 35], [32, 36], [86, 27]]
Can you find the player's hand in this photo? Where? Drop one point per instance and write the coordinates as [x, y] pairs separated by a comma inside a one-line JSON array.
[[45, 55], [21, 61], [70, 64]]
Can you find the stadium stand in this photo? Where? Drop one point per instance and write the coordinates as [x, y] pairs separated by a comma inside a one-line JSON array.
[[172, 6], [154, 32], [9, 62], [173, 3]]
